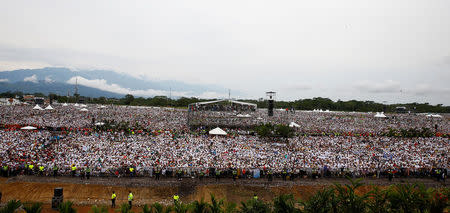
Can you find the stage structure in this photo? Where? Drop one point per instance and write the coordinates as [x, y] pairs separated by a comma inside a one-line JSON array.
[[270, 99], [222, 113]]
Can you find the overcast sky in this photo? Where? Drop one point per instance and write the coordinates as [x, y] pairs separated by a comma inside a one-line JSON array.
[[381, 50]]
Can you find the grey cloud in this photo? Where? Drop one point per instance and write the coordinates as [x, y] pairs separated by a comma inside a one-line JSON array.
[[299, 87], [386, 86]]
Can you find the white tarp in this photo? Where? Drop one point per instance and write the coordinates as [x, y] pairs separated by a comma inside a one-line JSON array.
[[49, 107], [217, 131], [380, 115], [434, 116], [244, 116], [37, 107], [293, 124], [28, 128]]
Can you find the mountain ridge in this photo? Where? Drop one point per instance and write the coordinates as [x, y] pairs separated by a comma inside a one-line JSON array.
[[118, 83]]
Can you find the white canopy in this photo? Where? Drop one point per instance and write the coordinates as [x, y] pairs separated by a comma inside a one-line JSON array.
[[293, 124], [28, 127], [217, 131], [244, 116], [380, 115], [37, 107], [84, 110], [434, 116], [49, 107]]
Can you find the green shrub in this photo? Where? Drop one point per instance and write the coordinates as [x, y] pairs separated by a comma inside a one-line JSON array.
[[66, 207], [97, 209], [34, 207], [11, 206]]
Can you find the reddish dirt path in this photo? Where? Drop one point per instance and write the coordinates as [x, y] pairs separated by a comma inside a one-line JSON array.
[[97, 191]]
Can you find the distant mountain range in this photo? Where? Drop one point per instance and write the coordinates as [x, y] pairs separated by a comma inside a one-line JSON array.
[[94, 83]]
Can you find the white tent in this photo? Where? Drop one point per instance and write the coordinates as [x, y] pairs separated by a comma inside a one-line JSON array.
[[65, 104], [99, 124], [76, 104], [434, 116], [244, 116], [380, 115], [84, 110], [293, 124], [217, 131], [28, 128], [37, 107], [83, 105], [49, 107]]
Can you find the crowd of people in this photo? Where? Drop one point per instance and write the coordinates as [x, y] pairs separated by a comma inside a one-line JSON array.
[[169, 148]]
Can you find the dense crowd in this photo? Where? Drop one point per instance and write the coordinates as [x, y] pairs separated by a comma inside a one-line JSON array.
[[169, 147]]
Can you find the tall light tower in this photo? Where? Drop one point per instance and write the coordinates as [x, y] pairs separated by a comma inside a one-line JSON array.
[[270, 96]]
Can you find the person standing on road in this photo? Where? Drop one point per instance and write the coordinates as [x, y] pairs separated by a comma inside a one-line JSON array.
[[113, 200], [74, 170], [41, 170], [176, 198], [55, 170], [130, 199], [88, 172]]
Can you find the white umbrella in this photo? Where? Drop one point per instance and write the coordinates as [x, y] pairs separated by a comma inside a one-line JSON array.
[[28, 128], [380, 115], [217, 131], [37, 107], [293, 124]]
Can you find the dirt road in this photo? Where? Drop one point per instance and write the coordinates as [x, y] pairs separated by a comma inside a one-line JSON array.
[[97, 191]]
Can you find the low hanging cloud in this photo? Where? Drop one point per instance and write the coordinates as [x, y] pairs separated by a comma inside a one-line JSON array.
[[102, 84], [32, 78], [48, 79], [387, 86]]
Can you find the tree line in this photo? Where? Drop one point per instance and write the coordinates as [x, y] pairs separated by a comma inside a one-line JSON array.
[[300, 104]]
